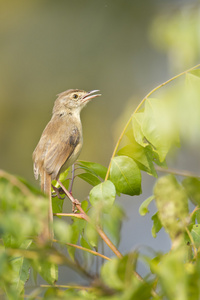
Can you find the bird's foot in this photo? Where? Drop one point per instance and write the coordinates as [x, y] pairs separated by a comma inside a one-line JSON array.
[[74, 204], [57, 192]]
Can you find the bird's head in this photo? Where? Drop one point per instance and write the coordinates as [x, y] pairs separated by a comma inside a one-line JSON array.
[[74, 99]]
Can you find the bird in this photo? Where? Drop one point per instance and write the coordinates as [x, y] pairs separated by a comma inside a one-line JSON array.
[[60, 145]]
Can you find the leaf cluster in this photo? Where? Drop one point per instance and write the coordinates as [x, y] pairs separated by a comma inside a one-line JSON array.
[[150, 135]]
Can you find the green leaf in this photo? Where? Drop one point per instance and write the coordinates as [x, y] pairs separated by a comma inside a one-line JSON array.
[[90, 178], [110, 275], [103, 195], [173, 275], [112, 222], [187, 109], [54, 293], [156, 225], [87, 256], [156, 159], [74, 239], [143, 210], [159, 127], [137, 121], [195, 232], [63, 179], [90, 231], [92, 167], [92, 235], [84, 243], [172, 204], [57, 205], [125, 175], [192, 187], [63, 231], [197, 216], [33, 189], [195, 73], [118, 273], [84, 205], [14, 229], [21, 269], [48, 270], [142, 156]]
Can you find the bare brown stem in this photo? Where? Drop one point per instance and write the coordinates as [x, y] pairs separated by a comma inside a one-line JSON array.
[[86, 217], [101, 233]]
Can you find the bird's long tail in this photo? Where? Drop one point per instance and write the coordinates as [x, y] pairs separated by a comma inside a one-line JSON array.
[[47, 231]]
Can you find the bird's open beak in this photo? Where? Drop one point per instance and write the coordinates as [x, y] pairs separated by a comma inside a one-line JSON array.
[[90, 95]]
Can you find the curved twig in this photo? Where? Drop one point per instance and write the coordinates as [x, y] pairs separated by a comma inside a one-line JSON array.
[[138, 107]]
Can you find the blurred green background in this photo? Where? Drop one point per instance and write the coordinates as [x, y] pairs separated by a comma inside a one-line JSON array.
[[123, 48], [50, 46]]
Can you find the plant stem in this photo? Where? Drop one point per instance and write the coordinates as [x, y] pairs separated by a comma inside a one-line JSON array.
[[84, 249], [101, 233], [176, 172], [192, 213], [78, 216], [78, 287], [86, 217], [99, 230]]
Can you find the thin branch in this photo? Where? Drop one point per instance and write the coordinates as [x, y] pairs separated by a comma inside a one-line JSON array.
[[78, 216], [192, 213], [31, 297], [177, 172], [84, 249], [138, 107], [86, 217], [78, 287], [101, 233], [68, 194], [99, 230]]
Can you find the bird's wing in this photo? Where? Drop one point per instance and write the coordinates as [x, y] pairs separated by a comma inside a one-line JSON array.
[[54, 149], [60, 150]]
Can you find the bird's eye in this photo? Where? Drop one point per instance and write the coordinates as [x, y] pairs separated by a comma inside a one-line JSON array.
[[75, 96]]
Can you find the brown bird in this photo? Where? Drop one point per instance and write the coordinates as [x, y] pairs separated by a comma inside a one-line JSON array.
[[60, 144]]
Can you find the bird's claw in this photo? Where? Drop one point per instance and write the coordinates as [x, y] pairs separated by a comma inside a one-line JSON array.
[[57, 193], [74, 203]]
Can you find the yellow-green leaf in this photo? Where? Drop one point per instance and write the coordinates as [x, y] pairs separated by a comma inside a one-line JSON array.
[[125, 175], [103, 195]]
